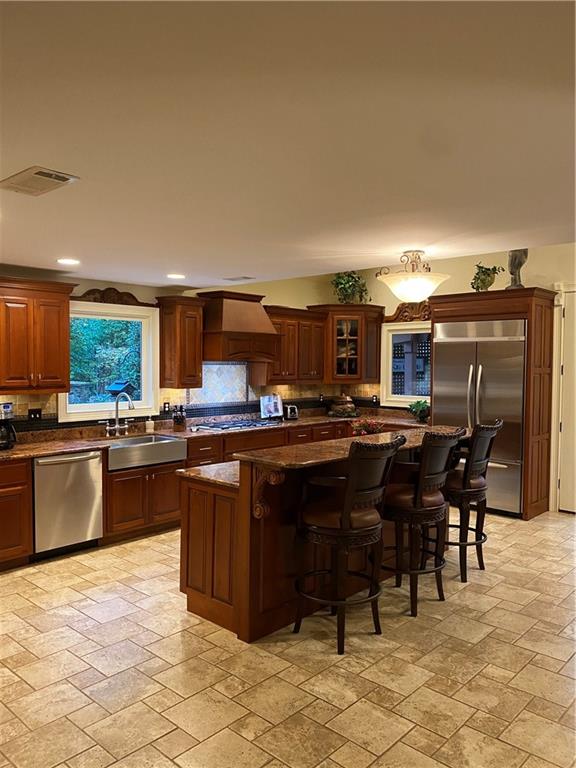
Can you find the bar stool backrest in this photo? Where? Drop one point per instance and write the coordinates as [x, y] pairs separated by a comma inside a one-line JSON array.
[[369, 468], [435, 461], [481, 443]]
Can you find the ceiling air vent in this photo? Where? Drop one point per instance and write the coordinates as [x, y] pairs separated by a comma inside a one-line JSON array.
[[239, 279], [36, 181]]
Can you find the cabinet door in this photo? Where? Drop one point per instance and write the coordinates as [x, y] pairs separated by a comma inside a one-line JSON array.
[[169, 347], [15, 522], [52, 344], [127, 500], [346, 353], [190, 348], [16, 355], [164, 493], [317, 351], [290, 350], [278, 362], [325, 432]]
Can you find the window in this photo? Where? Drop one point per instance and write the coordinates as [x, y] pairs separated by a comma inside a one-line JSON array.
[[405, 363], [113, 348]]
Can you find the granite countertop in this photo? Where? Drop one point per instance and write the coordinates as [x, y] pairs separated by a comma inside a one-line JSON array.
[[310, 454], [227, 474], [42, 445]]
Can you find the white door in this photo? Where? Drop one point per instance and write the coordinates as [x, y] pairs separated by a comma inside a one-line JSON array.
[[567, 501]]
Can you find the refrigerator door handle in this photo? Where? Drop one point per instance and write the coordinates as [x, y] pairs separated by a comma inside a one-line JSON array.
[[469, 395], [477, 403]]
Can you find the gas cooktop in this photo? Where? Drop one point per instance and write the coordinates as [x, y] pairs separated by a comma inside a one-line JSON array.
[[239, 424]]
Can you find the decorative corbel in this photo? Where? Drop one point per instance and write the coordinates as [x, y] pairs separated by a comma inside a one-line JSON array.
[[261, 508]]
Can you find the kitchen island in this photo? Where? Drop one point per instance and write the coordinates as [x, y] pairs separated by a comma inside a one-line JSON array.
[[238, 531]]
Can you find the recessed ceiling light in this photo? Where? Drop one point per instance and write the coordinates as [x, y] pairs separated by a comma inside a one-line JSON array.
[[175, 276], [68, 262]]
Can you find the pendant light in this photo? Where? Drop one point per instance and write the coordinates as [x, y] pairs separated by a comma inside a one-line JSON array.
[[415, 282]]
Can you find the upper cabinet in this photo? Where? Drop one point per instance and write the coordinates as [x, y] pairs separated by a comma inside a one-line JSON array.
[[34, 336], [180, 341], [300, 355], [352, 348]]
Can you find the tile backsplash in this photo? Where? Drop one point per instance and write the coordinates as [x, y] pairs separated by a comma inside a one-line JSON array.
[[224, 383]]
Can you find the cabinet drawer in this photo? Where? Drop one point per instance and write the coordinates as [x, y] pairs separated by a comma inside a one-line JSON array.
[[325, 432], [251, 442], [342, 430], [299, 435], [14, 473], [202, 448]]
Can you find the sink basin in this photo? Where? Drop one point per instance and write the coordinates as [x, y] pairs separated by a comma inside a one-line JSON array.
[[142, 450]]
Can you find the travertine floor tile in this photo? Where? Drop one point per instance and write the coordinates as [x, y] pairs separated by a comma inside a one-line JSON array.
[[492, 697], [352, 756], [147, 757], [315, 742], [52, 642], [547, 644], [370, 726], [403, 756], [547, 685], [250, 726], [175, 743], [505, 655], [190, 676], [122, 690], [453, 664], [205, 713], [274, 699], [48, 704], [224, 750], [95, 757], [398, 675], [311, 655], [471, 749], [129, 729], [465, 629], [118, 657], [338, 687], [47, 746], [254, 665], [550, 741], [51, 669], [179, 647], [434, 711]]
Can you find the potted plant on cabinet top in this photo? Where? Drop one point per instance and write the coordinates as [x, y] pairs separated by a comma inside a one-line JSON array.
[[350, 288], [420, 409], [484, 277]]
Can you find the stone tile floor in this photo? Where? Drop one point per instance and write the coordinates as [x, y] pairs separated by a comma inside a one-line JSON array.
[[101, 665]]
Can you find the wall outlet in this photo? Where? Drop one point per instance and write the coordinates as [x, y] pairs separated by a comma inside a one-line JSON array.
[[34, 414]]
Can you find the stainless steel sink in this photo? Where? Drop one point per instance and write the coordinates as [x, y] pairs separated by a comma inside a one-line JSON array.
[[142, 450]]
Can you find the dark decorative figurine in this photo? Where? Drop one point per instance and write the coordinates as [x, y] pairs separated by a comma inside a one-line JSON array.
[[516, 260]]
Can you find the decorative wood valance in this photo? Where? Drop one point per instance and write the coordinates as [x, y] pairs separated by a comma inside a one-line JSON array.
[[111, 296], [408, 312]]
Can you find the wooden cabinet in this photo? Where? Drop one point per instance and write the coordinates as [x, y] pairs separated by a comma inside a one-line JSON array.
[[311, 350], [352, 346], [297, 435], [137, 499], [180, 341], [34, 336], [204, 450], [15, 511], [536, 307], [285, 365], [253, 441], [208, 550], [301, 350]]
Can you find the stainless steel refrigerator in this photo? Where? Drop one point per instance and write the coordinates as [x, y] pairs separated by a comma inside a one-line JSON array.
[[477, 377]]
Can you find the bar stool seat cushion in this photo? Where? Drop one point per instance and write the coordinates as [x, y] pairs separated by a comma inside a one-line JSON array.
[[328, 514], [402, 495], [455, 481]]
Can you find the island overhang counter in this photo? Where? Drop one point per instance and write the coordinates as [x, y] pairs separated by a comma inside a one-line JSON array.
[[239, 522]]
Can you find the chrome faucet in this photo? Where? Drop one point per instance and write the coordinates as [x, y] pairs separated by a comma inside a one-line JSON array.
[[121, 428]]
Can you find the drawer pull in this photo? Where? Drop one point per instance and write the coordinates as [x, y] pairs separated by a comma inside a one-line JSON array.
[[207, 448]]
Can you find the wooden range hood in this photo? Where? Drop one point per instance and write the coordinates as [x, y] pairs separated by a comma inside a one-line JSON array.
[[237, 328]]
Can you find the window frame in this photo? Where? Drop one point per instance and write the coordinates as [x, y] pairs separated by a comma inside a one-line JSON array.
[[388, 330], [149, 404]]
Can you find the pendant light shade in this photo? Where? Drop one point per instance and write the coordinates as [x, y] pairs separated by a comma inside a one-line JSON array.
[[413, 283]]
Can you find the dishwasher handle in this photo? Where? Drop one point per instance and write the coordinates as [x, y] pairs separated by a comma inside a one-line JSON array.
[[68, 459]]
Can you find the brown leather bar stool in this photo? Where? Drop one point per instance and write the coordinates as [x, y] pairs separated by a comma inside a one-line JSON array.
[[467, 487], [347, 518], [413, 498]]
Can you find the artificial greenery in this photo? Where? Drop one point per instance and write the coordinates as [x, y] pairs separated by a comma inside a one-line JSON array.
[[350, 288], [484, 277], [420, 409]]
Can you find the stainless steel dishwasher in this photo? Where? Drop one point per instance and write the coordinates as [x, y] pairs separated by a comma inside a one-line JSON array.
[[67, 499]]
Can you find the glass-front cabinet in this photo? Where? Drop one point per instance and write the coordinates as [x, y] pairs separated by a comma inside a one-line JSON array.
[[352, 342]]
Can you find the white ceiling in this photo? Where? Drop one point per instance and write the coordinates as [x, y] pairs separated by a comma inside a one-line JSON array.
[[284, 139]]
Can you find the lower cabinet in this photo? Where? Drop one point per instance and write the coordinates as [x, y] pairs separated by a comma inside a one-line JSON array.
[[16, 540], [208, 544], [140, 498]]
